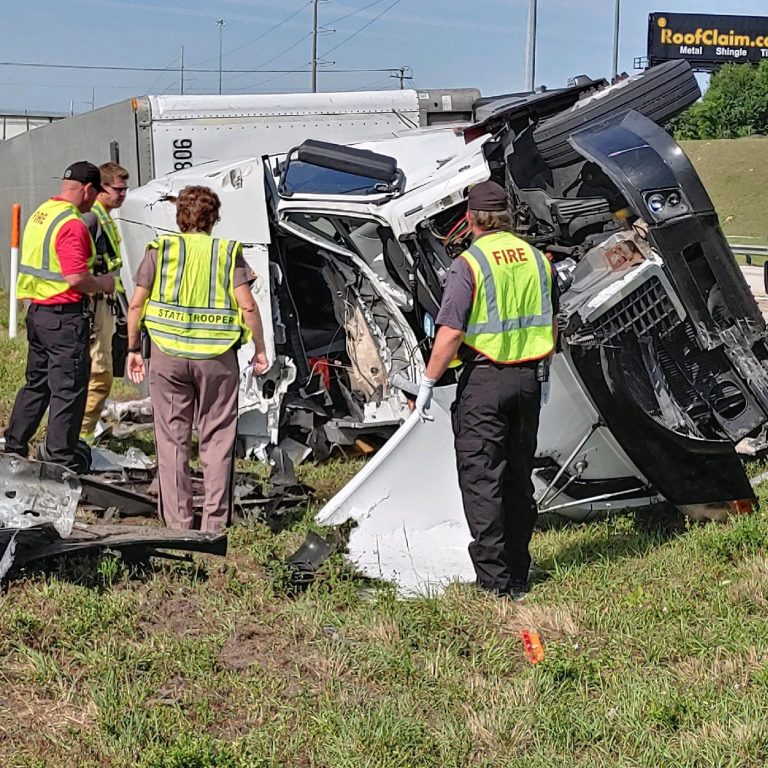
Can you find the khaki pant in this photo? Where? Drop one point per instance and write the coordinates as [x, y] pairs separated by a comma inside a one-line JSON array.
[[100, 383], [202, 392]]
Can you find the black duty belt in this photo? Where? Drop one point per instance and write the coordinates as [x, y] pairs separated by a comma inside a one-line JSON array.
[[75, 308], [500, 366]]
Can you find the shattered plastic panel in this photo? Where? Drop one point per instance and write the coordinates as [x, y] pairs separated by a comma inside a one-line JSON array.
[[33, 493], [259, 404]]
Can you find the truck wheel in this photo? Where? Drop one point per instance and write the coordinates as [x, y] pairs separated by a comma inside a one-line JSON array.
[[659, 93]]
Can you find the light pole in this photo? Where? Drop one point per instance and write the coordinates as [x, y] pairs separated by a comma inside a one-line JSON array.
[[220, 23], [530, 47], [314, 46], [616, 25]]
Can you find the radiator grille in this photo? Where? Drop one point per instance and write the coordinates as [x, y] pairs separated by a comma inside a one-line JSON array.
[[644, 312]]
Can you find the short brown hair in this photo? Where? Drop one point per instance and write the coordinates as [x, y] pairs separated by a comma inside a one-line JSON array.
[[111, 172], [488, 220], [197, 209]]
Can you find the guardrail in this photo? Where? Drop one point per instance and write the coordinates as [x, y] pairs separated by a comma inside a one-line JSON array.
[[749, 251]]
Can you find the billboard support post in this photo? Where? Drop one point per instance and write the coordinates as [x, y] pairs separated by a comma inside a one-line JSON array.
[[530, 47]]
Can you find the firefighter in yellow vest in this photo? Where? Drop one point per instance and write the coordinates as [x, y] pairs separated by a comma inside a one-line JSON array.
[[194, 299], [104, 308], [55, 274], [498, 316]]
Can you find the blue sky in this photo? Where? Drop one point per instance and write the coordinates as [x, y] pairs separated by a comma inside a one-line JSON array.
[[448, 43]]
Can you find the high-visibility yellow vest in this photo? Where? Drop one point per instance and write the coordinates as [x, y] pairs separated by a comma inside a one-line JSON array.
[[114, 260], [39, 267], [192, 311], [511, 316]]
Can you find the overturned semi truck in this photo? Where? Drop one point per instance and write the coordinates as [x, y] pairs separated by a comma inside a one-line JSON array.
[[660, 368]]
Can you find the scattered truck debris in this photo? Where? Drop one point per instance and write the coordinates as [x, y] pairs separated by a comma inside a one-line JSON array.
[[38, 505]]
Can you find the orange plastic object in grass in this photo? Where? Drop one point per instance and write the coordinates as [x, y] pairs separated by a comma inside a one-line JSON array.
[[532, 645]]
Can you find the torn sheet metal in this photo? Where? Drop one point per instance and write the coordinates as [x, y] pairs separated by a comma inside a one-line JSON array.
[[131, 416], [407, 505], [103, 460], [33, 492]]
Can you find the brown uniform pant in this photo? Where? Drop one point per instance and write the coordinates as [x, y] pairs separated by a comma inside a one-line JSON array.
[[202, 392], [100, 383]]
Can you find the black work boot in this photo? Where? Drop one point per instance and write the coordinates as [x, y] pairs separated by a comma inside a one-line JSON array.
[[517, 591]]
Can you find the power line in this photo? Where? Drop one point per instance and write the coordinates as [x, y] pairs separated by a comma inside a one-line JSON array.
[[354, 13], [364, 27], [136, 69], [262, 35], [304, 71], [272, 79]]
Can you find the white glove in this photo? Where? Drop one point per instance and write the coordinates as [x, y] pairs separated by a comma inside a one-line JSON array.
[[544, 392], [424, 398]]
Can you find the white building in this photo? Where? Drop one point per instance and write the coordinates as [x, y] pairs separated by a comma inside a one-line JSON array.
[[14, 123]]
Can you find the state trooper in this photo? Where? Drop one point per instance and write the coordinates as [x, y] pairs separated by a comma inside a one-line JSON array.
[[498, 316], [194, 299], [55, 274]]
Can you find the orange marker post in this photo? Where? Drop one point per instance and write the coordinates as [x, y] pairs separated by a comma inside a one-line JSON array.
[[15, 240]]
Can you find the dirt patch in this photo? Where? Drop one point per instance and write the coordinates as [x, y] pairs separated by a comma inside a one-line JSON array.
[[28, 720], [270, 648], [181, 616]]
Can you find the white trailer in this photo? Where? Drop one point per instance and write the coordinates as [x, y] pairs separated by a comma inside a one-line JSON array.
[[155, 135]]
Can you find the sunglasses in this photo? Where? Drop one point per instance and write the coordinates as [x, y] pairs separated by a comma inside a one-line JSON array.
[[119, 190]]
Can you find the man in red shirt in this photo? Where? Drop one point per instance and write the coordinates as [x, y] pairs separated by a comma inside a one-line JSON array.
[[55, 275]]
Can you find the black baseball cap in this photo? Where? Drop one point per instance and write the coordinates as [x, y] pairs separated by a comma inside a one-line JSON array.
[[487, 196], [85, 173]]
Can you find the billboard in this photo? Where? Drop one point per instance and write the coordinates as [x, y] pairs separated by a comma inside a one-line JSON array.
[[707, 41]]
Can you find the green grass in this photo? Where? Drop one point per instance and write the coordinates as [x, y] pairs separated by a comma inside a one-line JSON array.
[[655, 639], [735, 173]]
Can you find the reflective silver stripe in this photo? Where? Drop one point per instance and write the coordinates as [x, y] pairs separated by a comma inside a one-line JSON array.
[[215, 256], [163, 266], [192, 310], [494, 323], [41, 273], [46, 266], [214, 272], [195, 342], [179, 269], [227, 268], [108, 227]]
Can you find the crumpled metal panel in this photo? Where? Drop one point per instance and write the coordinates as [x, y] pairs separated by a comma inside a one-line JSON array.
[[33, 492]]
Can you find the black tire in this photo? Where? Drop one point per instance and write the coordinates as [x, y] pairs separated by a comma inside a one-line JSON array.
[[659, 93]]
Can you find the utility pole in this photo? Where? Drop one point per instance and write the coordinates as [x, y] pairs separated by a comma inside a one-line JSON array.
[[314, 46], [220, 23], [93, 97], [401, 76], [181, 85], [616, 27], [530, 47]]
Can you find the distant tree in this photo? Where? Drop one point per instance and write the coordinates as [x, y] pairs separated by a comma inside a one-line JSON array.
[[735, 105]]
